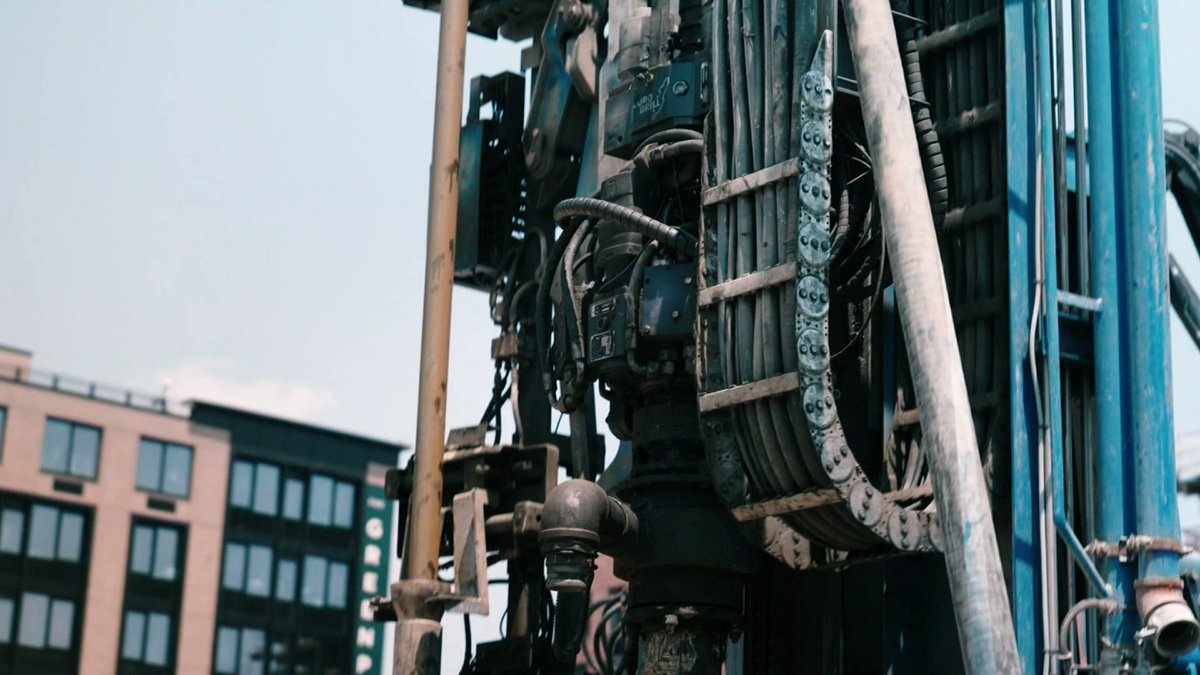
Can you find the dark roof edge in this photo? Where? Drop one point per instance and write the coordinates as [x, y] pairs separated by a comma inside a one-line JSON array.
[[15, 350], [379, 443]]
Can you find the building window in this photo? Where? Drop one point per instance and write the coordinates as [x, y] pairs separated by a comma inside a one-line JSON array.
[[315, 569], [285, 581], [155, 551], [248, 569], [339, 574], [293, 499], [12, 531], [240, 652], [255, 486], [46, 623], [266, 489], [7, 613], [240, 483], [147, 638], [165, 468], [330, 502], [324, 582], [53, 534], [3, 426], [71, 449]]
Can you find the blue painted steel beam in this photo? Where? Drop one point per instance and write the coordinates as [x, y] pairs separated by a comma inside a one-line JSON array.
[[1142, 233], [1022, 148], [1115, 485]]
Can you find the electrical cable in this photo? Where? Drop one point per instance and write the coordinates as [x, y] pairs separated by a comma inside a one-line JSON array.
[[542, 313], [585, 207]]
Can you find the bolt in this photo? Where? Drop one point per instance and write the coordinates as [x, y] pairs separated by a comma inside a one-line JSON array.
[[675, 314], [680, 88]]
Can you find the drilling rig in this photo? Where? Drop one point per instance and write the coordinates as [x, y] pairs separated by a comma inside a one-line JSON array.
[[878, 295]]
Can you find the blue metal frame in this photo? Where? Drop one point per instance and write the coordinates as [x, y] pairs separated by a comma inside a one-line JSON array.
[[1134, 446], [1020, 36], [1113, 511], [1142, 237]]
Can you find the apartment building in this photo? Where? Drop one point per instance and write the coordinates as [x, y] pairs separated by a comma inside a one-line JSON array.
[[142, 537]]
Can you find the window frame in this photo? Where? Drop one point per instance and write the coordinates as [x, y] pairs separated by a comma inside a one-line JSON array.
[[252, 496], [56, 536], [239, 643], [248, 551], [155, 528], [22, 516], [293, 576], [45, 632], [146, 617], [310, 562], [12, 602], [164, 448], [329, 507], [73, 427]]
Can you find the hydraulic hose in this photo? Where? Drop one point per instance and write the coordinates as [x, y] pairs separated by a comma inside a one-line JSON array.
[[972, 555], [927, 135], [585, 207], [542, 310]]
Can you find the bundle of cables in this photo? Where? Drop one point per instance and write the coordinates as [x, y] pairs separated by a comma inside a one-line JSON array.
[[606, 653]]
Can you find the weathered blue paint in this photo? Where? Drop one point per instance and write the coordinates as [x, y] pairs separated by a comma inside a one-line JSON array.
[[1114, 512], [1052, 385], [1142, 236], [1021, 148]]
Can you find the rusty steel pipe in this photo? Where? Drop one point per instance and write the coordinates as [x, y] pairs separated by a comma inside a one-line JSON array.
[[418, 630], [977, 587], [425, 527]]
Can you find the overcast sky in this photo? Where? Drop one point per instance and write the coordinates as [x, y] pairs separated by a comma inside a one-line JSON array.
[[229, 195]]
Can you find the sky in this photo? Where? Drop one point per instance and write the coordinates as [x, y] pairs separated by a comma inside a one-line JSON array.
[[227, 198]]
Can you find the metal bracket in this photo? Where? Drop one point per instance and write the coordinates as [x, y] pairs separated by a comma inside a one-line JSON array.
[[1135, 544], [470, 592]]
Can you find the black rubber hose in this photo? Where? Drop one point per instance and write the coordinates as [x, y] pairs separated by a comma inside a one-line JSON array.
[[669, 136], [632, 293], [542, 310], [669, 151], [570, 623], [583, 207], [927, 137]]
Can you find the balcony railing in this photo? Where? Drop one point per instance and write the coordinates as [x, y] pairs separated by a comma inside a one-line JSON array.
[[94, 390]]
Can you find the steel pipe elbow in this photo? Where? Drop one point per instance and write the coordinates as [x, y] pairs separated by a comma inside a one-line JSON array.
[[579, 520], [1169, 621]]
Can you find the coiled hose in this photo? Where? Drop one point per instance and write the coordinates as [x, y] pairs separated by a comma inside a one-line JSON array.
[[927, 136]]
